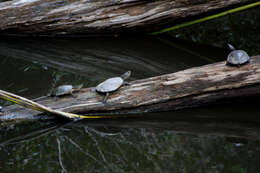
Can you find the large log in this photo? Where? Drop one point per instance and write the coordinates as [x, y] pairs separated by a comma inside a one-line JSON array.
[[188, 88], [55, 17]]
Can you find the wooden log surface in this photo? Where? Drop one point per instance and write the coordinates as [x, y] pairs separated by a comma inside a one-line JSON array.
[[188, 88], [55, 17]]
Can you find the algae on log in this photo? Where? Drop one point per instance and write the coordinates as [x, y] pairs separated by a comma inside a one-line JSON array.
[[56, 17], [188, 88]]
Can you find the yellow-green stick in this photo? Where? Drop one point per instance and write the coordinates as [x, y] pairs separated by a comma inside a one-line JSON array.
[[36, 106], [207, 18]]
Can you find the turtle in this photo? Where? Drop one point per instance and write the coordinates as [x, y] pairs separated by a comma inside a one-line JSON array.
[[65, 89], [112, 84], [237, 57]]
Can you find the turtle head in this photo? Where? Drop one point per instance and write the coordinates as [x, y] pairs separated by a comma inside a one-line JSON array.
[[126, 75], [231, 47]]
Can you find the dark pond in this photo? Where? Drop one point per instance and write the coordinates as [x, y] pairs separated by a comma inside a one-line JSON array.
[[217, 138]]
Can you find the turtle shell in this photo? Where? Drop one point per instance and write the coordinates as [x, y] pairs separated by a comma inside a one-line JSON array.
[[63, 89], [237, 57], [110, 85]]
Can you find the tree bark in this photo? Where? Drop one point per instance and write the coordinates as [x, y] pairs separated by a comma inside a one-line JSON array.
[[55, 17], [184, 89]]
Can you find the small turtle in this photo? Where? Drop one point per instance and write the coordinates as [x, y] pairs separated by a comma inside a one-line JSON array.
[[65, 89], [237, 57], [112, 84]]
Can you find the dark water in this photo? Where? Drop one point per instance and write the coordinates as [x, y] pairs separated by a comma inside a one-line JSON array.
[[207, 139]]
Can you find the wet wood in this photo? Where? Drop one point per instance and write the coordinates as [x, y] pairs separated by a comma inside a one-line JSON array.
[[193, 87], [55, 17]]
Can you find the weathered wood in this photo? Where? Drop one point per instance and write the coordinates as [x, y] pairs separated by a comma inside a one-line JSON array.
[[55, 17], [188, 88]]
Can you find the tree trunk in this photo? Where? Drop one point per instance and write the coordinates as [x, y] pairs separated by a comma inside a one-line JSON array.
[[184, 89], [55, 17]]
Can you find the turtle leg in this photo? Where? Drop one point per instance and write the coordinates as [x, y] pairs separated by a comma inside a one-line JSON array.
[[105, 98], [72, 94], [126, 83]]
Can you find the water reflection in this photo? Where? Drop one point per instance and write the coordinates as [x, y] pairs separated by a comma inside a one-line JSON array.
[[104, 57], [51, 62], [147, 145]]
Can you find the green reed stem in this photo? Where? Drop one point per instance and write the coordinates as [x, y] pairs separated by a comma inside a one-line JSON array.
[[207, 18]]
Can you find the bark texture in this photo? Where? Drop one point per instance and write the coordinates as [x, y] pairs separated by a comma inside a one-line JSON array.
[[188, 88], [56, 17]]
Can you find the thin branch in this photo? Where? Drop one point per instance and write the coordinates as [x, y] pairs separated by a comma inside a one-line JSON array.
[[207, 18], [60, 158]]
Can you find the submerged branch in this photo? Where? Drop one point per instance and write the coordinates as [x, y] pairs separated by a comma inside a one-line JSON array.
[[60, 157]]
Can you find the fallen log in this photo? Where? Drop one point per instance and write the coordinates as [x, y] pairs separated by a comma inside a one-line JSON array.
[[55, 17], [184, 89]]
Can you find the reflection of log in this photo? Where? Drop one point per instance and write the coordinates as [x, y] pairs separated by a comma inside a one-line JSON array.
[[188, 88], [185, 126], [46, 17], [231, 130]]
